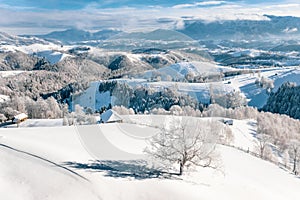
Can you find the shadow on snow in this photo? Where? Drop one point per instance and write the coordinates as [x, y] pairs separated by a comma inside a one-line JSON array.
[[137, 169]]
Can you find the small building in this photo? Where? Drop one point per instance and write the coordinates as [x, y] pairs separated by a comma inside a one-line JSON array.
[[110, 116], [19, 118], [228, 121]]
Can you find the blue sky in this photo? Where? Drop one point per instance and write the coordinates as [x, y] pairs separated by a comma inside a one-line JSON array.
[[80, 4], [43, 16]]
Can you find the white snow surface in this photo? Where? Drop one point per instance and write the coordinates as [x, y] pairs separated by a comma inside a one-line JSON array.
[[11, 73], [51, 52], [36, 163], [3, 98], [180, 70]]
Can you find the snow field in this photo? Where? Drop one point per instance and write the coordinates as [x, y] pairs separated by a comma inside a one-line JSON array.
[[240, 176]]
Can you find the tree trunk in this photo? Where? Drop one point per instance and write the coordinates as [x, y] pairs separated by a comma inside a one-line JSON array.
[[295, 161], [181, 169], [262, 152], [295, 166]]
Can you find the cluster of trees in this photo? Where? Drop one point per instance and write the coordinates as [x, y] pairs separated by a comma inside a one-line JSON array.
[[45, 109], [233, 99], [79, 116], [279, 137], [286, 100], [265, 83], [243, 112], [40, 109], [143, 100], [146, 99], [33, 84], [123, 110]]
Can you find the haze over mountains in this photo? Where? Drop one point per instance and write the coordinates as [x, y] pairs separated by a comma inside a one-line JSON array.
[[272, 26]]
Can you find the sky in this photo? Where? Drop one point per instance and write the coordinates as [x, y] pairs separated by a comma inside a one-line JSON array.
[[43, 16]]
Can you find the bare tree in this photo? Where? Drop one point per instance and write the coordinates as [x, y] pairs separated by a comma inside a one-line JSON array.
[[262, 143], [185, 141], [295, 153]]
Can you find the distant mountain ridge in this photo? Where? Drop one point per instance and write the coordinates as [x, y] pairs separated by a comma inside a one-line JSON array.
[[7, 39], [242, 29], [285, 26], [77, 35]]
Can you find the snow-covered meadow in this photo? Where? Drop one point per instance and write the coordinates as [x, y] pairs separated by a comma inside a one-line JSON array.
[[104, 162]]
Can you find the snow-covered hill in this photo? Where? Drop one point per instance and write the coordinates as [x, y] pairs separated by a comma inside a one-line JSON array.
[[51, 52], [245, 83], [89, 162], [179, 71], [258, 96]]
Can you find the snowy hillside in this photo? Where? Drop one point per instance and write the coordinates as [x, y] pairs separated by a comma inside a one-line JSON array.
[[51, 52], [95, 99], [179, 71], [102, 162], [257, 96]]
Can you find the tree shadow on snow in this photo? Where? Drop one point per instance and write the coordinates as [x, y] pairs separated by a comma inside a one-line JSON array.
[[253, 129], [122, 169]]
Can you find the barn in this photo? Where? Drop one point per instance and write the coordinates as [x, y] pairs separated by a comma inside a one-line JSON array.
[[110, 116], [20, 118]]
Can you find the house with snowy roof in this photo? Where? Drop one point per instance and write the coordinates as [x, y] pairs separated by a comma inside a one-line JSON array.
[[110, 116], [20, 118]]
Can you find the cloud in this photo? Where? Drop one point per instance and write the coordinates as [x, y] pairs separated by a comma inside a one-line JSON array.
[[93, 17], [199, 4]]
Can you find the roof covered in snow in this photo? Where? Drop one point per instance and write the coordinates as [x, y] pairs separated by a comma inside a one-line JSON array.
[[20, 117], [110, 116]]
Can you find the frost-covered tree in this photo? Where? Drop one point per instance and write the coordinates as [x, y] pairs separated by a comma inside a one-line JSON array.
[[295, 153], [123, 110], [265, 82], [263, 141], [159, 111], [286, 100], [233, 99], [176, 110], [2, 118], [65, 121], [54, 108], [79, 114], [286, 158], [185, 142]]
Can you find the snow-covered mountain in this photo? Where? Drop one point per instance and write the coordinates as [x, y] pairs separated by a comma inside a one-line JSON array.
[[7, 39], [73, 36], [243, 29]]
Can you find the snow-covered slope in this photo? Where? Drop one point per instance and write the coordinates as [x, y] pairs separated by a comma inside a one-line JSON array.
[[95, 99], [51, 52], [88, 162], [10, 73], [179, 71], [33, 46], [258, 96]]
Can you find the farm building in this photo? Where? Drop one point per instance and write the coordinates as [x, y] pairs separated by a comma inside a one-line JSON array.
[[19, 118], [110, 116], [228, 121]]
